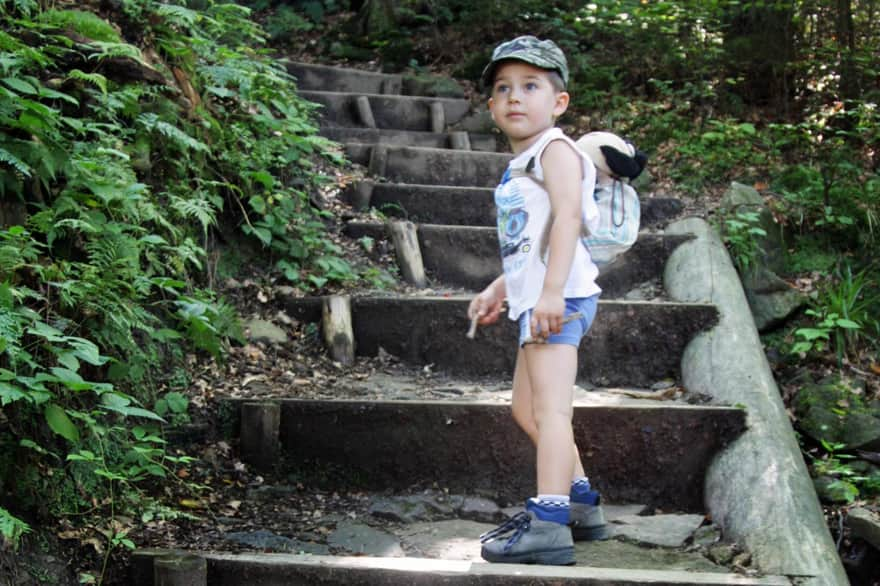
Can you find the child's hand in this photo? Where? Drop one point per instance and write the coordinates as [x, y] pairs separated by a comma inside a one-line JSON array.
[[486, 306], [547, 316]]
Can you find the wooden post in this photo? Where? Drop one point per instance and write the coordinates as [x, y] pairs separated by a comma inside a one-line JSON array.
[[409, 255], [438, 117], [460, 140], [378, 160], [180, 570], [338, 331], [360, 194], [260, 422], [365, 111]]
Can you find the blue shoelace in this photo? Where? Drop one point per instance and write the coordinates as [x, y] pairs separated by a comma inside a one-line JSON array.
[[519, 524]]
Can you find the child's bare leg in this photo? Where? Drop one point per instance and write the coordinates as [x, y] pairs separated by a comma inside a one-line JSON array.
[[551, 371], [521, 404]]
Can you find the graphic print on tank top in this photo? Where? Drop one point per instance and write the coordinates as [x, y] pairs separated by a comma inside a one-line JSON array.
[[512, 220]]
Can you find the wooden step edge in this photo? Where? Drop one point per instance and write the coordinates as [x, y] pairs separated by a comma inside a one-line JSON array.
[[226, 569]]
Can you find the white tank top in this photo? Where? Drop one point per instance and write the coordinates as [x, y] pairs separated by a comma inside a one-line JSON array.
[[523, 208]]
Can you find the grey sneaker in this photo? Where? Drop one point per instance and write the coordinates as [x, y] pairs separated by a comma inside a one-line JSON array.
[[587, 522], [532, 542]]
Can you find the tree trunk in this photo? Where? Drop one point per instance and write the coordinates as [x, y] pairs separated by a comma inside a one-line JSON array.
[[846, 40], [758, 46]]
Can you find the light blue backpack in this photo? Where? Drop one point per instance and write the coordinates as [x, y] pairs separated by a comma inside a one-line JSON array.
[[617, 161]]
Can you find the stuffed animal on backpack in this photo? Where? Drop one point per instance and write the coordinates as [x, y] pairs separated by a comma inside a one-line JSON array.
[[619, 211], [614, 157]]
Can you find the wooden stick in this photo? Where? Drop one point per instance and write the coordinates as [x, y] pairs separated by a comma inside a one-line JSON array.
[[565, 320], [472, 331]]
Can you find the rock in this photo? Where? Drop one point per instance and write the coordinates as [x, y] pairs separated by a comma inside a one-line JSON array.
[[454, 539], [659, 211], [834, 490], [744, 198], [480, 509], [831, 411], [362, 539], [707, 535], [259, 330], [723, 553], [656, 530], [771, 299], [268, 541], [865, 524], [411, 508]]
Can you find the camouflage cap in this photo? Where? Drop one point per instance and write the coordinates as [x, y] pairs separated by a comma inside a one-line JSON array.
[[543, 54]]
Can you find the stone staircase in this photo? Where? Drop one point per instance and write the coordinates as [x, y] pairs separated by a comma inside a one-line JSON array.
[[431, 445]]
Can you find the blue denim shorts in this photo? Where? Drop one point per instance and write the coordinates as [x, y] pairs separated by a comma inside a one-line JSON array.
[[573, 331]]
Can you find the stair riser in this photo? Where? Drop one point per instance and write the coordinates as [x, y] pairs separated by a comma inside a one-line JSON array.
[[468, 257], [468, 447], [468, 206], [633, 344], [478, 142], [397, 112], [435, 166], [317, 77]]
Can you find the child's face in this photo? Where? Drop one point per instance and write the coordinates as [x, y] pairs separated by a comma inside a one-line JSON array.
[[524, 102]]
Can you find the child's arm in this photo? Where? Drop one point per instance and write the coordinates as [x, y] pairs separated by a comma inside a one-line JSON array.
[[562, 178], [486, 306]]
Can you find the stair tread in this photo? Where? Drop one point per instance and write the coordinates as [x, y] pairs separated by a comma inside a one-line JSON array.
[[463, 566]]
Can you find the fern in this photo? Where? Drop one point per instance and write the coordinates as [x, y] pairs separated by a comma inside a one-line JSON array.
[[18, 164], [197, 208], [179, 15], [96, 79], [111, 50], [176, 135]]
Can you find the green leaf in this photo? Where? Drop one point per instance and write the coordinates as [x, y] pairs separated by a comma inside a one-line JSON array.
[[10, 393], [71, 380], [88, 351], [60, 423], [19, 85], [177, 402], [68, 360]]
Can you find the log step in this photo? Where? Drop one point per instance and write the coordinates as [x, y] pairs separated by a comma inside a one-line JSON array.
[[319, 77], [431, 166], [225, 569], [417, 138], [475, 206], [387, 111], [467, 256], [635, 343]]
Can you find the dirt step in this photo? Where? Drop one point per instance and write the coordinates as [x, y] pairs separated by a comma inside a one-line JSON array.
[[467, 256], [429, 166], [308, 569], [630, 343], [321, 77], [639, 453], [474, 206], [439, 140]]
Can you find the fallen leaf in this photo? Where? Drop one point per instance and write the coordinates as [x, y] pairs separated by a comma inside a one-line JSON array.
[[192, 503], [875, 368]]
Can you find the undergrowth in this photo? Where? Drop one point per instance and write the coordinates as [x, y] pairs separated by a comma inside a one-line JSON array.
[[123, 157]]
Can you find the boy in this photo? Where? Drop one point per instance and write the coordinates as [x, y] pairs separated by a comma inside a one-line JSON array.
[[547, 276]]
